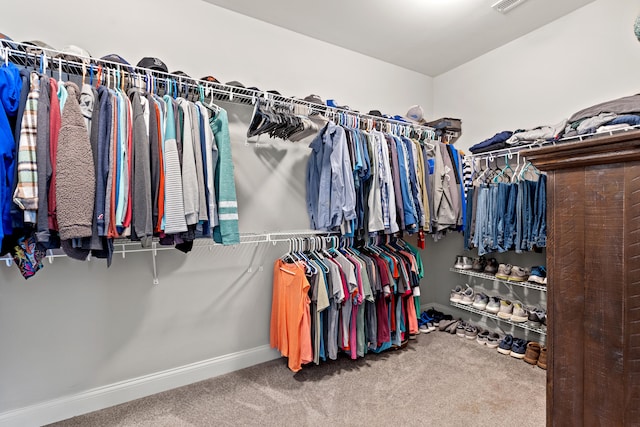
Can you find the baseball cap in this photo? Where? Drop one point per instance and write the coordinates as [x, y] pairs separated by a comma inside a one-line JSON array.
[[153, 64], [210, 79], [35, 45], [6, 41], [234, 83], [376, 113], [415, 114], [314, 99], [113, 57], [75, 54]]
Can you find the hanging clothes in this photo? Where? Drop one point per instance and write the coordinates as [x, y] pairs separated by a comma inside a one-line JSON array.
[[381, 182], [360, 300]]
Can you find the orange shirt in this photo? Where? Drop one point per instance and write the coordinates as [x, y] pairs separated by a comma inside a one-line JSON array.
[[290, 329]]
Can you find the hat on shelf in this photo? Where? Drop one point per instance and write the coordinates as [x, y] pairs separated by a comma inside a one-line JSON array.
[[315, 99], [37, 46], [275, 92], [376, 113], [153, 64], [75, 54], [234, 83], [115, 58], [415, 114], [210, 79], [181, 74], [6, 41]]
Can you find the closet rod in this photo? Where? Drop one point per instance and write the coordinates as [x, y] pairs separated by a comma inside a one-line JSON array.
[[516, 148], [230, 92], [120, 245]]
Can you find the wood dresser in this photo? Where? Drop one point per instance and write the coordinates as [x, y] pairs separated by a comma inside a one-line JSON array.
[[593, 263]]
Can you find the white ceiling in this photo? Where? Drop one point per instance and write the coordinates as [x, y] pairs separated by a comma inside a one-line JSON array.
[[428, 36]]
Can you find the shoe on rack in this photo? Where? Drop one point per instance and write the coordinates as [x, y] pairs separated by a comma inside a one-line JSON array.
[[505, 345], [504, 270], [493, 340], [456, 294], [536, 317], [482, 337], [518, 348], [461, 328], [519, 314], [467, 296], [506, 308], [467, 263], [518, 274], [471, 332], [533, 353], [480, 302], [458, 264], [479, 264], [492, 266], [538, 275], [493, 305], [542, 361]]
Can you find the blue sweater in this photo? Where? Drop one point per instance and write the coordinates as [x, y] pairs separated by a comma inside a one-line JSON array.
[[10, 88]]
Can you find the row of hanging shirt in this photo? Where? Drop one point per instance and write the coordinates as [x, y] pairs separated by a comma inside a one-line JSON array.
[[84, 166], [506, 207], [344, 299], [368, 181]]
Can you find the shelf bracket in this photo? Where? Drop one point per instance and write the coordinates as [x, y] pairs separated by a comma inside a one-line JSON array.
[[154, 253]]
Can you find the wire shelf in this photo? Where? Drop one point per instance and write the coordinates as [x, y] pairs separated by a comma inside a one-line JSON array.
[[523, 325], [492, 277]]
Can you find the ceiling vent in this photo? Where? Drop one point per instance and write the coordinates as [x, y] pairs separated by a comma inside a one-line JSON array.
[[504, 6]]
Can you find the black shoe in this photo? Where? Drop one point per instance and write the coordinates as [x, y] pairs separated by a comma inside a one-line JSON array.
[[491, 267]]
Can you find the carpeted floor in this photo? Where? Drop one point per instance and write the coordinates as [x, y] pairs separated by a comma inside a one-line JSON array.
[[439, 380]]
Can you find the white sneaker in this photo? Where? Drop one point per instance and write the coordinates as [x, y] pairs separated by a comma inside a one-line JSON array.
[[467, 296]]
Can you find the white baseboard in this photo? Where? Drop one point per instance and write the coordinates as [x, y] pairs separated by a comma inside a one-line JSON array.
[[125, 391]]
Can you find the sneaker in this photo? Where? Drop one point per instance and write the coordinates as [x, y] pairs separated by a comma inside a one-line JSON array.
[[504, 270], [506, 308], [435, 315], [493, 340], [536, 317], [479, 264], [481, 301], [453, 327], [467, 263], [493, 305], [461, 328], [471, 332], [505, 345], [538, 275], [458, 264], [445, 324], [519, 314], [492, 266], [533, 353], [456, 294], [482, 337], [424, 329], [467, 296], [518, 274], [518, 348], [542, 360]]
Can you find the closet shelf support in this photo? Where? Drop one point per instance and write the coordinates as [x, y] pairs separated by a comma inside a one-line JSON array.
[[154, 253]]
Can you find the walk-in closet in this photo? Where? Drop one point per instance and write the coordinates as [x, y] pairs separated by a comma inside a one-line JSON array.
[[227, 213]]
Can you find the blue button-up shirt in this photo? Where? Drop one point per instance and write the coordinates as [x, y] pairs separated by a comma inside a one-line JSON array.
[[329, 183]]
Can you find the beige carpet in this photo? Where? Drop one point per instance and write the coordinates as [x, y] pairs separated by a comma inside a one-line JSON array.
[[439, 380]]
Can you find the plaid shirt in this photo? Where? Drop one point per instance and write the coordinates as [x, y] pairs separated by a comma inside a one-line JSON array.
[[26, 193]]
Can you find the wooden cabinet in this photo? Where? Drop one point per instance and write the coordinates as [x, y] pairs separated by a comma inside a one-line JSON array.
[[593, 263]]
